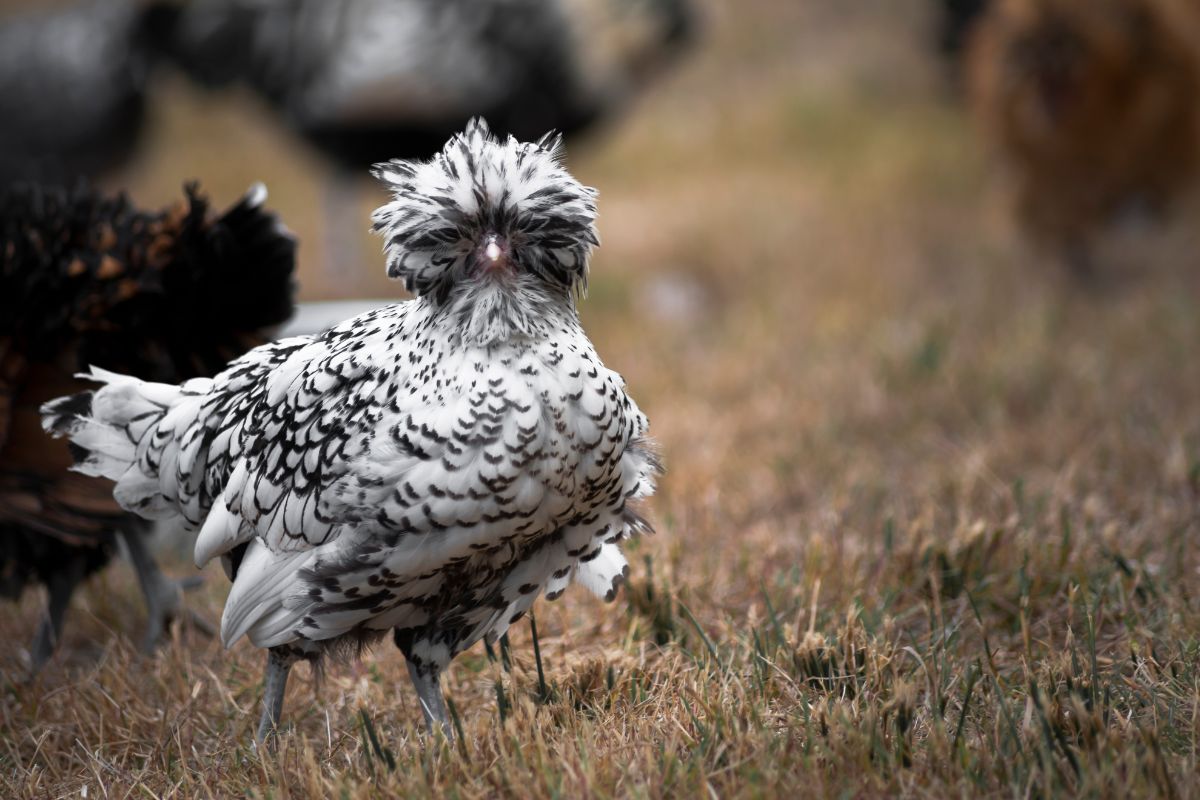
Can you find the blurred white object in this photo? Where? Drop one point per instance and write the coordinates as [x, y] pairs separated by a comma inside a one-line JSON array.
[[313, 318]]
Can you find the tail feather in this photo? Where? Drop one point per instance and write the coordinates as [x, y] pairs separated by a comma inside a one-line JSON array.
[[60, 417], [255, 605], [230, 285], [250, 248], [109, 430], [167, 295]]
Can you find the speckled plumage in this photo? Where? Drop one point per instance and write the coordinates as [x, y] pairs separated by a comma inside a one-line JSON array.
[[431, 467]]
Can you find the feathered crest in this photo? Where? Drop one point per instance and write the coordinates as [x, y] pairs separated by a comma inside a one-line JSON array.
[[479, 185]]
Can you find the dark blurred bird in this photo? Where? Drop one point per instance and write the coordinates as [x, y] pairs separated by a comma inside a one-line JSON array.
[[72, 90], [956, 22], [88, 280], [1095, 107], [366, 80], [431, 467]]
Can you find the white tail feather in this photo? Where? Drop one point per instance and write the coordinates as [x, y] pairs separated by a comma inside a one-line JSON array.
[[122, 414]]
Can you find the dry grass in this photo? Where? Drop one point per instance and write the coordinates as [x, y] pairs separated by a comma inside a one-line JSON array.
[[930, 526]]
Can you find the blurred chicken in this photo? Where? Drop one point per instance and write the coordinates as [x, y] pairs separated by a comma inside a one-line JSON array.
[[90, 280], [956, 23], [1094, 105], [368, 80], [72, 90]]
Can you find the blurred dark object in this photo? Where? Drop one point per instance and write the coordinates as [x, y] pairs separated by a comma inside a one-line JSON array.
[[368, 80], [956, 23], [1093, 104], [72, 90], [90, 280]]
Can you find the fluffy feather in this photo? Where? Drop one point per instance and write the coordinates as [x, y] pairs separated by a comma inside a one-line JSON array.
[[442, 208]]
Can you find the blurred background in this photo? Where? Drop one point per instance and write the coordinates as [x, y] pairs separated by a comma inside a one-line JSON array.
[[304, 95], [1075, 120]]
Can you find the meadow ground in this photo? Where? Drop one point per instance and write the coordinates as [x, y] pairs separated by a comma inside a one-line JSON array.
[[931, 518]]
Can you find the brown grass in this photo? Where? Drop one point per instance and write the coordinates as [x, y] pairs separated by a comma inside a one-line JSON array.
[[930, 523]]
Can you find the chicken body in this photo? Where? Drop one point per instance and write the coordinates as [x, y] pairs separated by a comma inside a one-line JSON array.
[[429, 468], [90, 280]]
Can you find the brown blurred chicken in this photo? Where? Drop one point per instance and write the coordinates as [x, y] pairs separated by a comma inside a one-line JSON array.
[[1094, 105], [89, 280], [956, 21]]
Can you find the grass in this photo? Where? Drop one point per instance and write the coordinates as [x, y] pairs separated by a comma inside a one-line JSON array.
[[929, 528]]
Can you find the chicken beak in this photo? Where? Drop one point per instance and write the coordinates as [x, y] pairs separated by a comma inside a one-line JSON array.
[[493, 256]]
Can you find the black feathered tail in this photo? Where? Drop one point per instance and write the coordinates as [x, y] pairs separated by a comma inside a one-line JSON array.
[[150, 300], [230, 283], [163, 296]]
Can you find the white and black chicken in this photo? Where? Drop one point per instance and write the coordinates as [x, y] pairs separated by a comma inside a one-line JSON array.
[[429, 468]]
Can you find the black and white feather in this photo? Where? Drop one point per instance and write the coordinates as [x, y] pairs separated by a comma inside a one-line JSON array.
[[431, 467]]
